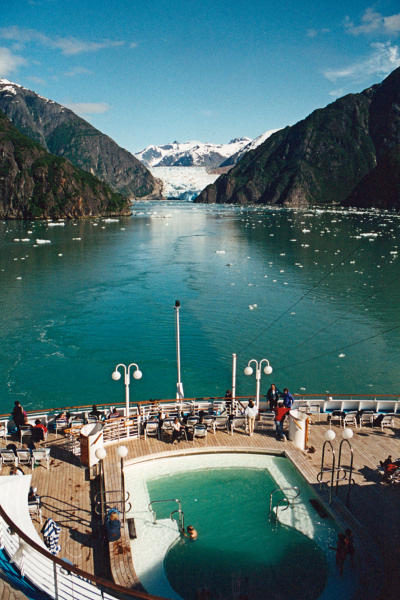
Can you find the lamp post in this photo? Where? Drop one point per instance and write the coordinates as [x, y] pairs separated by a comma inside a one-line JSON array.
[[122, 453], [347, 434], [116, 375], [179, 385], [101, 453], [249, 371]]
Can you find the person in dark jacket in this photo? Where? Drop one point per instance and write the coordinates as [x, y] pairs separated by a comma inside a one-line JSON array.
[[113, 525], [19, 416], [287, 398], [272, 396]]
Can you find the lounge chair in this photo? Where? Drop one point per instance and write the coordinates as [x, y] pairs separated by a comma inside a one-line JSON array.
[[8, 457], [350, 419], [151, 429], [387, 421], [199, 431], [40, 456], [24, 457]]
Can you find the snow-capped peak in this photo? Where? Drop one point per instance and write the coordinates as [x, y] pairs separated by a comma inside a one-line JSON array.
[[191, 153]]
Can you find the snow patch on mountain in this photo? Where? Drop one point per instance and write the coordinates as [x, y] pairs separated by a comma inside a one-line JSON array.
[[234, 158], [183, 182], [190, 154]]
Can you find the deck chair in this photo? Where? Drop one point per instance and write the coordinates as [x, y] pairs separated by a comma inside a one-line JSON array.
[[239, 423], [266, 421], [211, 422], [350, 419], [60, 425], [3, 429], [221, 423], [366, 418], [41, 456], [24, 457], [151, 429], [387, 421], [8, 457], [199, 431], [167, 427]]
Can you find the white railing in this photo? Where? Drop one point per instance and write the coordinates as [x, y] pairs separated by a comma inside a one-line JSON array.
[[57, 578]]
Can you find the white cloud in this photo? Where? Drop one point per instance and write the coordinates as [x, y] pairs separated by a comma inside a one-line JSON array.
[[374, 22], [313, 33], [78, 71], [383, 59], [9, 62], [69, 46], [38, 80], [337, 93], [88, 108]]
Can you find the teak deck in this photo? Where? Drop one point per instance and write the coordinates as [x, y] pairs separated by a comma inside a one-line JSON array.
[[66, 493]]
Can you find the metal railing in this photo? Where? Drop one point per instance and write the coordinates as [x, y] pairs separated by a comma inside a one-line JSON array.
[[181, 516], [289, 501]]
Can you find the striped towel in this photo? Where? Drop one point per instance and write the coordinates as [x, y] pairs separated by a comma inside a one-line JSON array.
[[51, 535]]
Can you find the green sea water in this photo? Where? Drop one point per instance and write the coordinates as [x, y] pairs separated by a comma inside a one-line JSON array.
[[315, 292]]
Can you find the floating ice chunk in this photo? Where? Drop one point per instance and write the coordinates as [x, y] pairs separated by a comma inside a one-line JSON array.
[[25, 240], [16, 240], [18, 278], [303, 389], [59, 224], [220, 252], [76, 239], [39, 241], [110, 220], [341, 355], [60, 254], [372, 234], [305, 230]]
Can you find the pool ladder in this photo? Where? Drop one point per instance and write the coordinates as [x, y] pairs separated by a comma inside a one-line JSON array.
[[179, 511], [288, 502]]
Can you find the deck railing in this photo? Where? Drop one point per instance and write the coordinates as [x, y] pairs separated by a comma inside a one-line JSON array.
[[54, 576]]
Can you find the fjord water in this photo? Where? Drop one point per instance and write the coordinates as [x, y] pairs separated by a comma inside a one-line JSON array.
[[316, 292]]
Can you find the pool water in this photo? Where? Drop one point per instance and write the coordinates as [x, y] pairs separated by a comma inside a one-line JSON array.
[[239, 551]]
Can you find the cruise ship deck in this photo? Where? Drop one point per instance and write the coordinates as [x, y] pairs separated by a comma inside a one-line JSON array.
[[68, 494]]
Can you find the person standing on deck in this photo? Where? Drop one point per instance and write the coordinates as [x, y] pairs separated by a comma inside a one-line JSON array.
[[272, 396], [280, 414], [287, 399], [251, 412], [19, 416]]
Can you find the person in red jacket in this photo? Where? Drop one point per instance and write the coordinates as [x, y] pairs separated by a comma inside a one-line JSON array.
[[280, 414]]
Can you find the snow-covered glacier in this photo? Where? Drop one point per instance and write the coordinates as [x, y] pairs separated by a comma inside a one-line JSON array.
[[183, 182]]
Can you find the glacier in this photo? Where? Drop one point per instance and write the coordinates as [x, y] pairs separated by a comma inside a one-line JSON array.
[[183, 182]]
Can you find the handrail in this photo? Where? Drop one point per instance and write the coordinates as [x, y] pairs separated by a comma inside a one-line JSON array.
[[153, 512], [282, 490], [323, 396], [98, 582]]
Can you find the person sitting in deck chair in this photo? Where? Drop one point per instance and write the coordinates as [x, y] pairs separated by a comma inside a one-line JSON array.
[[39, 431]]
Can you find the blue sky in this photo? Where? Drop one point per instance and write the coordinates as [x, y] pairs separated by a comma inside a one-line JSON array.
[[153, 72]]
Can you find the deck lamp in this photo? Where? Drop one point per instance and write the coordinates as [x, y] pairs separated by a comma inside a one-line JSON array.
[[347, 433], [101, 453], [116, 376], [249, 371], [122, 453], [330, 435]]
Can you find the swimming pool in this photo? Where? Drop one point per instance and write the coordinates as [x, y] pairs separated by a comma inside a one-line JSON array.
[[239, 549]]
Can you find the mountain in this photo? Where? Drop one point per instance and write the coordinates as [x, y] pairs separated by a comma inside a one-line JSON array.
[[63, 133], [234, 158], [190, 154], [35, 184], [329, 157]]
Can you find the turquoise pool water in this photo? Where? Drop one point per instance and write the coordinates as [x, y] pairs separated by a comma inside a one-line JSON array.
[[238, 550]]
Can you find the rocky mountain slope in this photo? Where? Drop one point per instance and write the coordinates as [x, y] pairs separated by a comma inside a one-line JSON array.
[[63, 133], [332, 156], [190, 154], [234, 158], [35, 184]]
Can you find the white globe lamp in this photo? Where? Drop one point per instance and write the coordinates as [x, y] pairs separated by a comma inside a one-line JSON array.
[[330, 435], [268, 369], [347, 433], [248, 371], [137, 374], [122, 451], [101, 453], [116, 375]]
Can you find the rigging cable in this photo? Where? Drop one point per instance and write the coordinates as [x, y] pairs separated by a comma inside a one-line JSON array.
[[371, 337], [315, 286]]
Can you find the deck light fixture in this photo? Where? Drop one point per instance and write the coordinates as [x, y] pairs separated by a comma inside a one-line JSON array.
[[122, 453], [101, 453], [347, 433], [249, 371], [116, 376], [179, 384], [329, 435]]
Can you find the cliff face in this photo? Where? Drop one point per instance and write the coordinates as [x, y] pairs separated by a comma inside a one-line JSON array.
[[64, 134], [35, 184], [322, 159]]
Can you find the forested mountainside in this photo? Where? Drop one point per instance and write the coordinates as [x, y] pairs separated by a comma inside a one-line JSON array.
[[345, 153], [36, 184], [63, 133]]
